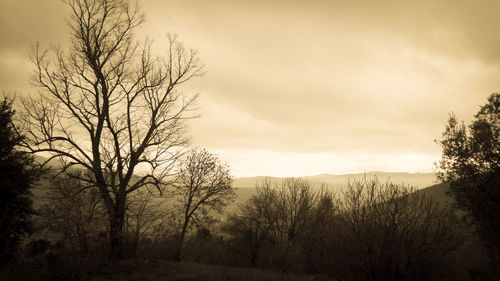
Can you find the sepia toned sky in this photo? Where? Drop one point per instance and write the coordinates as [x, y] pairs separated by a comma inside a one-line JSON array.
[[307, 87]]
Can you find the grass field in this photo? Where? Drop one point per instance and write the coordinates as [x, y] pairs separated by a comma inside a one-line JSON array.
[[138, 270]]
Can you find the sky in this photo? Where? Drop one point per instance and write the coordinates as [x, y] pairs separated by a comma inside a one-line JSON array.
[[297, 88]]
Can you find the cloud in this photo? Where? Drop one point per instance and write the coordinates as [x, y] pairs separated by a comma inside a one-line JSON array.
[[254, 162], [360, 72], [309, 77], [23, 23]]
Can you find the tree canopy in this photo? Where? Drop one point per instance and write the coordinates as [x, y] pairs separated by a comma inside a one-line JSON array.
[[107, 107], [17, 174], [470, 163]]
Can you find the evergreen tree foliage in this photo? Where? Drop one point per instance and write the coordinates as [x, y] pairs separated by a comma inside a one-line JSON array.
[[17, 174], [471, 164]]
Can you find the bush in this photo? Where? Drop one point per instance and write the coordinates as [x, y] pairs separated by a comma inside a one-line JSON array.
[[381, 231]]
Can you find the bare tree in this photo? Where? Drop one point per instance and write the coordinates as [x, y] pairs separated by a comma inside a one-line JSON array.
[[277, 214], [247, 229], [385, 231], [76, 214], [143, 213], [316, 241], [108, 107], [286, 208], [203, 185]]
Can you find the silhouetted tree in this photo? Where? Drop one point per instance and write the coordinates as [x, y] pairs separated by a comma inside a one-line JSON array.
[[247, 229], [317, 242], [277, 214], [108, 107], [470, 163], [286, 208], [17, 175], [77, 215], [144, 212], [382, 232], [203, 185]]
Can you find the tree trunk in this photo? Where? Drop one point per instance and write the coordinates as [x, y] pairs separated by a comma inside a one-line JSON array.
[[254, 248], [135, 243], [253, 259], [177, 255], [84, 244], [116, 220]]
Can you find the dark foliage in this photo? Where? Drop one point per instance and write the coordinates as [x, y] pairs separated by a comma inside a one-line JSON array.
[[16, 176], [370, 231], [380, 231], [471, 164]]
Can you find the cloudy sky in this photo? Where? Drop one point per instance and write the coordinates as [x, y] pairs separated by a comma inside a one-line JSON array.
[[306, 87]]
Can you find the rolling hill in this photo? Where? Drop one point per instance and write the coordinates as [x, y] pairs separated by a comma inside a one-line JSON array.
[[419, 180], [245, 187]]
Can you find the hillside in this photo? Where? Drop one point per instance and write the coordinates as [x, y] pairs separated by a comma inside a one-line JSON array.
[[419, 180], [472, 253], [440, 193], [245, 187], [133, 270]]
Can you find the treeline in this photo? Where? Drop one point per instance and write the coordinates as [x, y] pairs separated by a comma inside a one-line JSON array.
[[73, 221], [371, 230]]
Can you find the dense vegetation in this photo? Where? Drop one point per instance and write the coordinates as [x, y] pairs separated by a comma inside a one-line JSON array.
[[471, 164], [17, 174], [370, 231]]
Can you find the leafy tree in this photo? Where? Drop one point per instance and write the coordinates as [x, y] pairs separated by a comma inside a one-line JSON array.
[[470, 163], [203, 185], [17, 175], [108, 107]]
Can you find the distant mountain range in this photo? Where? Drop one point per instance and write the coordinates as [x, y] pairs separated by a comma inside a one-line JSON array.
[[418, 180]]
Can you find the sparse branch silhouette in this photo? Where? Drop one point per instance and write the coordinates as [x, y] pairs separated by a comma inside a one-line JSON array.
[[203, 185], [277, 214], [380, 231], [108, 107]]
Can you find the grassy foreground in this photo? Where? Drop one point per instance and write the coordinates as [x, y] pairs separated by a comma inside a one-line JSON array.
[[137, 270]]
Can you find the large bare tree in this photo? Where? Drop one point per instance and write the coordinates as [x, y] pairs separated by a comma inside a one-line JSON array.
[[108, 108]]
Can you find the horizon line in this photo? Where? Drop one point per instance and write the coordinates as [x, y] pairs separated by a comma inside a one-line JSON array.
[[335, 174]]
